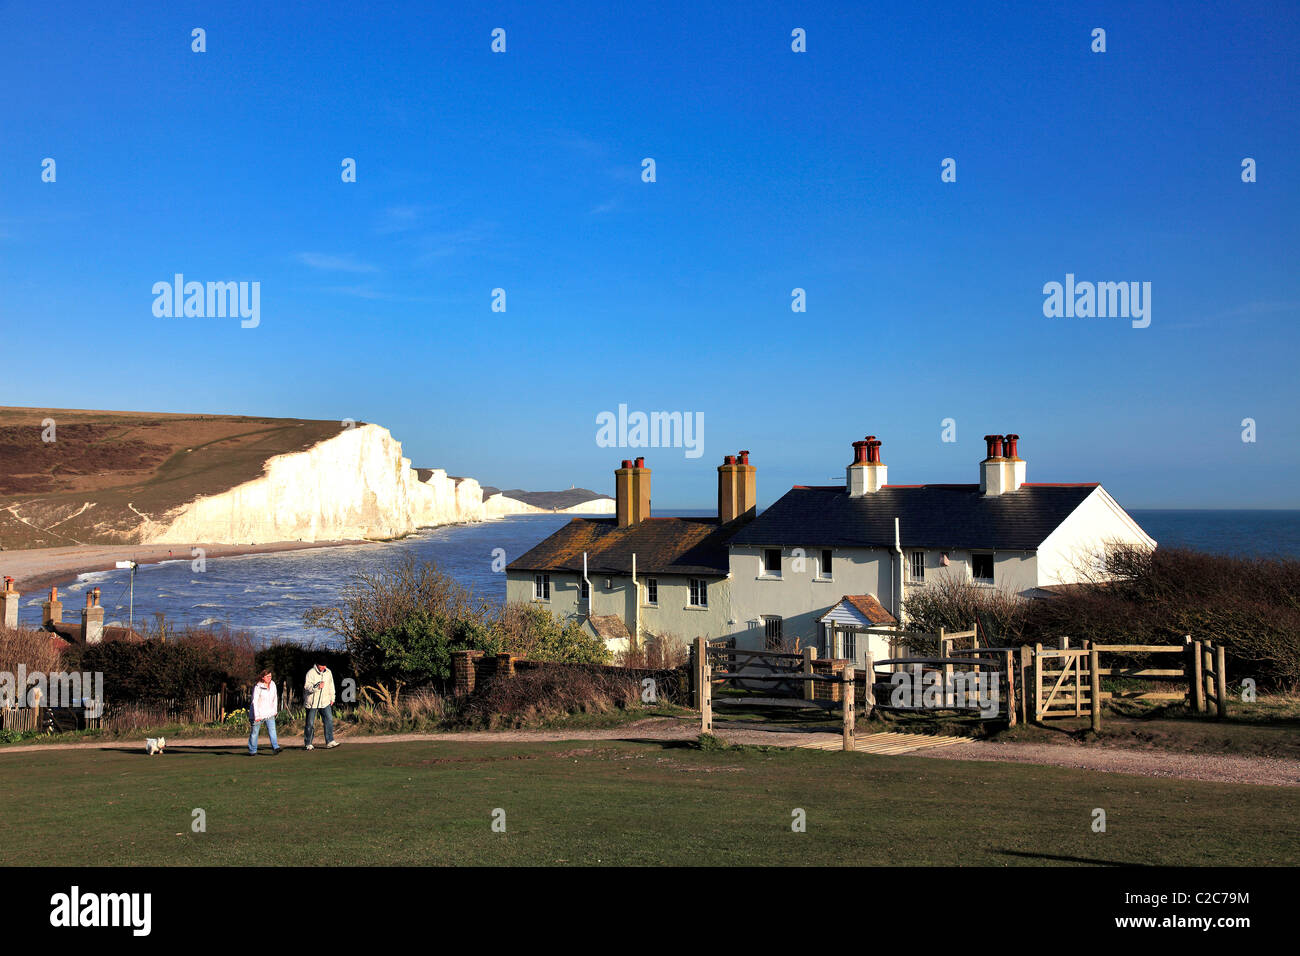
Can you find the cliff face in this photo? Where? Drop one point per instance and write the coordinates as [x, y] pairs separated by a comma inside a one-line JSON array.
[[354, 485], [501, 504]]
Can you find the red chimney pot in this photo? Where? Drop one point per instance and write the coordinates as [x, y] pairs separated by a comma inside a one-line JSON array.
[[1010, 451], [744, 457], [995, 445], [640, 462], [859, 452]]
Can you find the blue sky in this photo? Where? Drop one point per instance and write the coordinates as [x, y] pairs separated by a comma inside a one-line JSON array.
[[775, 170]]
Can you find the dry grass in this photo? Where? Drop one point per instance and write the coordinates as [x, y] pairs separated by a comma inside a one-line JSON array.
[[34, 649]]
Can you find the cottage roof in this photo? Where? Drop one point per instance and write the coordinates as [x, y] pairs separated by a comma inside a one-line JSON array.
[[661, 545], [930, 516]]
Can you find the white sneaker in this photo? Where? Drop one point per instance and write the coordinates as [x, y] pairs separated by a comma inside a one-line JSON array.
[[332, 743], [310, 747]]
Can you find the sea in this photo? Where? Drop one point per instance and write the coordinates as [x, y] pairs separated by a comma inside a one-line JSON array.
[[268, 594]]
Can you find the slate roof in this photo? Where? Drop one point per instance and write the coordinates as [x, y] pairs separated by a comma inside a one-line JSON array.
[[930, 516], [662, 546]]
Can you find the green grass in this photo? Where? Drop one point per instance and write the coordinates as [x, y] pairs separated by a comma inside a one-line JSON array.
[[615, 803]]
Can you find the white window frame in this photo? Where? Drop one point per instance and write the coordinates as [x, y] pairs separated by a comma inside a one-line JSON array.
[[542, 587], [915, 558], [763, 571], [697, 588], [992, 567], [652, 592], [822, 573]]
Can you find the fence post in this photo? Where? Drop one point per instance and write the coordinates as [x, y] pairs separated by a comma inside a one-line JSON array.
[[869, 687], [1221, 680], [706, 687], [975, 644], [1207, 672], [695, 675], [809, 655], [1197, 680], [846, 698], [1095, 668], [944, 643], [1008, 665], [1078, 683], [1026, 661], [1038, 683]]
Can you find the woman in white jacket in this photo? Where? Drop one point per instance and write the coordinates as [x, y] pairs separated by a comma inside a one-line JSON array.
[[265, 705]]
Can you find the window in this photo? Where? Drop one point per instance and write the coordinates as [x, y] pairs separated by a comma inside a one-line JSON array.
[[541, 587], [772, 561], [699, 592], [828, 641], [916, 567], [850, 641], [828, 559], [652, 590], [981, 568], [586, 590], [772, 632]]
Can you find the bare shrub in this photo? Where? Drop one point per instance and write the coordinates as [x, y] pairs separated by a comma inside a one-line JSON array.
[[549, 692], [656, 652], [36, 650]]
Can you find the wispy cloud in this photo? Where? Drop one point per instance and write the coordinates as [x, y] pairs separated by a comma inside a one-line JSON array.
[[330, 263]]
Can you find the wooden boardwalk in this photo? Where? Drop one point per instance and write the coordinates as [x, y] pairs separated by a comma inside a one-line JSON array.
[[887, 743]]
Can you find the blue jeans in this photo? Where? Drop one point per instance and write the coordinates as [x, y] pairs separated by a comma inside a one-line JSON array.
[[327, 719], [257, 732]]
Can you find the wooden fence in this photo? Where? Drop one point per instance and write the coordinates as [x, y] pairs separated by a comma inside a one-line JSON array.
[[950, 675], [1065, 681], [715, 663]]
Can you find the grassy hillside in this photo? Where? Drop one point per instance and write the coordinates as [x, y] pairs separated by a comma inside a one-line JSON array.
[[588, 802], [105, 469]]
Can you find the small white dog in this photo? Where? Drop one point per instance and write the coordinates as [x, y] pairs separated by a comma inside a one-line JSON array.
[[154, 745]]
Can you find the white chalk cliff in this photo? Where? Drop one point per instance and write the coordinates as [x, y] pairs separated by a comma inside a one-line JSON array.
[[354, 485], [500, 505]]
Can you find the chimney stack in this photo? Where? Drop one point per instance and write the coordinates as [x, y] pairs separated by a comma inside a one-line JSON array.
[[632, 492], [866, 474], [1002, 469], [737, 488], [92, 619], [52, 609], [9, 605]]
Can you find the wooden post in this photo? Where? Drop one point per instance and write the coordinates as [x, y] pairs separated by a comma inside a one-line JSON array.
[[1207, 672], [868, 686], [1197, 681], [846, 698], [1078, 685], [1221, 680], [1094, 668], [1008, 665], [1038, 683], [809, 655], [706, 686], [975, 644], [695, 673], [947, 669], [1026, 662]]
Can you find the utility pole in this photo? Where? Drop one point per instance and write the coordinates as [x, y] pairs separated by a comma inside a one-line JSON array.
[[131, 610]]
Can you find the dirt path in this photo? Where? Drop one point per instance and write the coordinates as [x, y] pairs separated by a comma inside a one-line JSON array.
[[1220, 768]]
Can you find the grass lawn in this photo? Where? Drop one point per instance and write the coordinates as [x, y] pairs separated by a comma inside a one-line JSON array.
[[616, 803]]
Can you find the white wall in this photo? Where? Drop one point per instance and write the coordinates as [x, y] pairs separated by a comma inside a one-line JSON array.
[[1068, 555]]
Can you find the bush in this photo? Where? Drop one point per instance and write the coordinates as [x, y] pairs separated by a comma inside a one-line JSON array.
[[401, 624], [35, 649], [1249, 605], [181, 670], [550, 692]]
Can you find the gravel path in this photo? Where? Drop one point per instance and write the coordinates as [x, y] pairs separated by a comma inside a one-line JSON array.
[[1219, 768]]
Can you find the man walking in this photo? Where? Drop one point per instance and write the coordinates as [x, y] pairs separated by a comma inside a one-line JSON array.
[[266, 704], [318, 695]]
